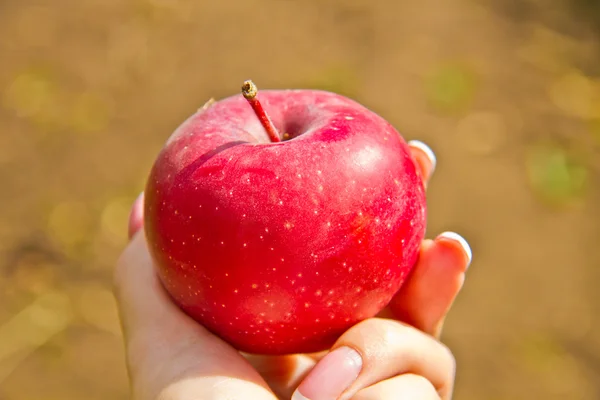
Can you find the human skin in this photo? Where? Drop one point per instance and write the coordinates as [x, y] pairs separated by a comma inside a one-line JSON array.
[[172, 357]]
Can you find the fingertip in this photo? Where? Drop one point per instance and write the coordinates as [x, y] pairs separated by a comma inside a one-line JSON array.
[[427, 152], [435, 282], [136, 216], [457, 240]]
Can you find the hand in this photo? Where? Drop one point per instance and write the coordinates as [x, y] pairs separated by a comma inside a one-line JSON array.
[[396, 355]]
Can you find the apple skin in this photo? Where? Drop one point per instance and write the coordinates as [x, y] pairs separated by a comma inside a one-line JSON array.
[[279, 248]]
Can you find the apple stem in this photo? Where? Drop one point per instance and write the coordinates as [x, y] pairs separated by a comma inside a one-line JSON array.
[[249, 90]]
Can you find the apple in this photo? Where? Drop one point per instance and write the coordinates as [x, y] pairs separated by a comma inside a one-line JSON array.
[[280, 231]]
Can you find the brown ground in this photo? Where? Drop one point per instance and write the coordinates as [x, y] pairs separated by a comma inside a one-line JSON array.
[[506, 92]]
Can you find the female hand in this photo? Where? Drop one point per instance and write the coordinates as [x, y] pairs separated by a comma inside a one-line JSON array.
[[396, 355]]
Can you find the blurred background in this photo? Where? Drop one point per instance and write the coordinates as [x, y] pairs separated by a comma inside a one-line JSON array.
[[506, 92]]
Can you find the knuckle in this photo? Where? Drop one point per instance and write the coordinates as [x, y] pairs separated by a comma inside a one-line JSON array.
[[376, 336], [451, 360]]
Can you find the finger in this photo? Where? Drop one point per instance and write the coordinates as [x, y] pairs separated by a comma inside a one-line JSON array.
[[425, 159], [436, 280], [375, 350], [282, 373], [168, 354], [403, 387], [136, 216]]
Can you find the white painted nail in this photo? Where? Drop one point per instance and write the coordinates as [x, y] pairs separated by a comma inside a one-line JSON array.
[[457, 238], [425, 149]]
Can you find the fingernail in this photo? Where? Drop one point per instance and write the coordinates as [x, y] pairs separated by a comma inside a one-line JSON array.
[[427, 150], [461, 240], [331, 376]]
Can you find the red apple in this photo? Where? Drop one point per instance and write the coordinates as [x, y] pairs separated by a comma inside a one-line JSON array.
[[280, 243]]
